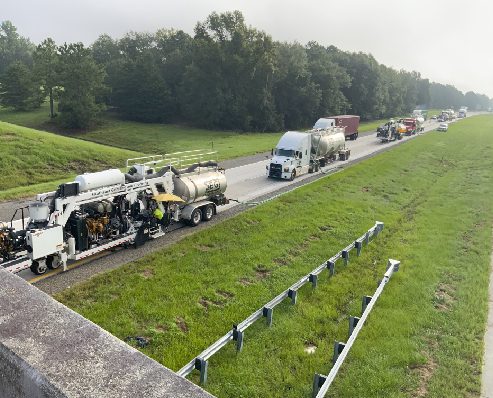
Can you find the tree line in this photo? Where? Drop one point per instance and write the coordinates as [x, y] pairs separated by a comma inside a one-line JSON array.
[[228, 75]]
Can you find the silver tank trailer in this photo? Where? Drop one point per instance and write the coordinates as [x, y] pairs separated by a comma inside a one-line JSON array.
[[194, 187], [324, 143]]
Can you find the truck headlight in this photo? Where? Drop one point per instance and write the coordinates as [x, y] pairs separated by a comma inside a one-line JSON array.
[[286, 169]]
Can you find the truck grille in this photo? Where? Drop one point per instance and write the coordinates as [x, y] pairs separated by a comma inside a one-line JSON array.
[[275, 170]]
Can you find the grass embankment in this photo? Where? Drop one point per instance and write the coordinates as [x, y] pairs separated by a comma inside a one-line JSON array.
[[34, 161], [425, 334], [154, 138]]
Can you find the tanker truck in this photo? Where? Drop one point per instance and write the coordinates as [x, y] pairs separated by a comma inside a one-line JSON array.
[[110, 208], [299, 153]]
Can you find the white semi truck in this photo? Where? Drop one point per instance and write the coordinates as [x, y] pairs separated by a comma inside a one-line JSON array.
[[299, 153], [103, 210]]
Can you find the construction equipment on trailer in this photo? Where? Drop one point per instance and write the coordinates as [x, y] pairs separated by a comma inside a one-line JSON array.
[[388, 132], [299, 153], [102, 210]]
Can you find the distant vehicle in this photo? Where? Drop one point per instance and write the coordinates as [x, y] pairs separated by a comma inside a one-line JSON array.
[[442, 127], [434, 117], [420, 113], [462, 112], [350, 122], [391, 131], [299, 153], [413, 125]]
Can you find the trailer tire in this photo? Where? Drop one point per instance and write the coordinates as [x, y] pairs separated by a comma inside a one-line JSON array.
[[38, 268], [207, 212], [52, 262], [195, 217], [293, 175]]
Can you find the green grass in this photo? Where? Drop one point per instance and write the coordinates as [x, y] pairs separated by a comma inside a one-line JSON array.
[[154, 138], [37, 118], [34, 161], [167, 138], [425, 334]]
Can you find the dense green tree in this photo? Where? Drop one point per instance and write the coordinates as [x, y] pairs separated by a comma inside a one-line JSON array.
[[140, 92], [445, 96], [330, 79], [46, 69], [297, 97], [423, 92], [13, 47], [228, 82], [82, 83], [18, 89], [173, 54]]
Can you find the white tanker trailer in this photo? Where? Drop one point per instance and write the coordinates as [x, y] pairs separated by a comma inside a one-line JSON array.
[[299, 153], [102, 210]]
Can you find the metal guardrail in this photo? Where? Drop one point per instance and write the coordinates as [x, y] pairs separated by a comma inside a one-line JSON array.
[[322, 383], [200, 362]]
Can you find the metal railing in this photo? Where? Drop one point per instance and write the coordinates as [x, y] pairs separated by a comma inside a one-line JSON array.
[[200, 362], [322, 383]]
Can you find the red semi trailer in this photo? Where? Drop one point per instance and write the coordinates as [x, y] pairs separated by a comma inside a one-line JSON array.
[[350, 122]]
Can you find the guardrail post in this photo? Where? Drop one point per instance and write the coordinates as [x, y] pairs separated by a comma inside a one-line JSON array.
[[345, 256], [238, 337], [268, 312], [338, 347], [331, 266], [318, 382], [379, 227], [293, 294], [393, 263], [358, 244], [366, 301], [353, 321], [313, 278], [201, 365], [367, 238]]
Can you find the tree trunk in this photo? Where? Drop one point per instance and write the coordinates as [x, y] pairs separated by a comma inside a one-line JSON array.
[[52, 113]]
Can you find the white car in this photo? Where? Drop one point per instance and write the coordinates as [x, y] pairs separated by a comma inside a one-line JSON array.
[[442, 127]]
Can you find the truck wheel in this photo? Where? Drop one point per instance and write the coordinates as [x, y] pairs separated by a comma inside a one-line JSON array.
[[53, 262], [38, 267], [293, 175], [196, 217], [207, 212]]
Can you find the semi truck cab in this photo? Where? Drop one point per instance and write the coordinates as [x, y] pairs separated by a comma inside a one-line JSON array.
[[291, 157]]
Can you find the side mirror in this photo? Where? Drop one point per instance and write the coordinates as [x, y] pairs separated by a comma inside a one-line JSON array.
[[272, 152]]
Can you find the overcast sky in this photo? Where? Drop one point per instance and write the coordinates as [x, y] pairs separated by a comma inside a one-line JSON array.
[[447, 41]]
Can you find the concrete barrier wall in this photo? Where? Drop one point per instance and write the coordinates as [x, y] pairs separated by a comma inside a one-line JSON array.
[[48, 350]]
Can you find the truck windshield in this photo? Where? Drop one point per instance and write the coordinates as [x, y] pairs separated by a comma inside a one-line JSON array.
[[289, 153]]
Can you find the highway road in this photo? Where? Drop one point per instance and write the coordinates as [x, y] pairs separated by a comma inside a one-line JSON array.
[[246, 183]]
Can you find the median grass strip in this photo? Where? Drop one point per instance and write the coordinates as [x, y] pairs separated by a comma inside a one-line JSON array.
[[424, 337], [32, 161]]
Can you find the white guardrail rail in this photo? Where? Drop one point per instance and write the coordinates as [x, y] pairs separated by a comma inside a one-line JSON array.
[[200, 362], [322, 383]]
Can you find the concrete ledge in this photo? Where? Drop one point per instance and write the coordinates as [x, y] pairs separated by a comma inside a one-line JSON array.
[[48, 350]]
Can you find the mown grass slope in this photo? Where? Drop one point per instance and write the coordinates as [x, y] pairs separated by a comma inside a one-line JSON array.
[[153, 138], [33, 160], [424, 337], [163, 138]]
